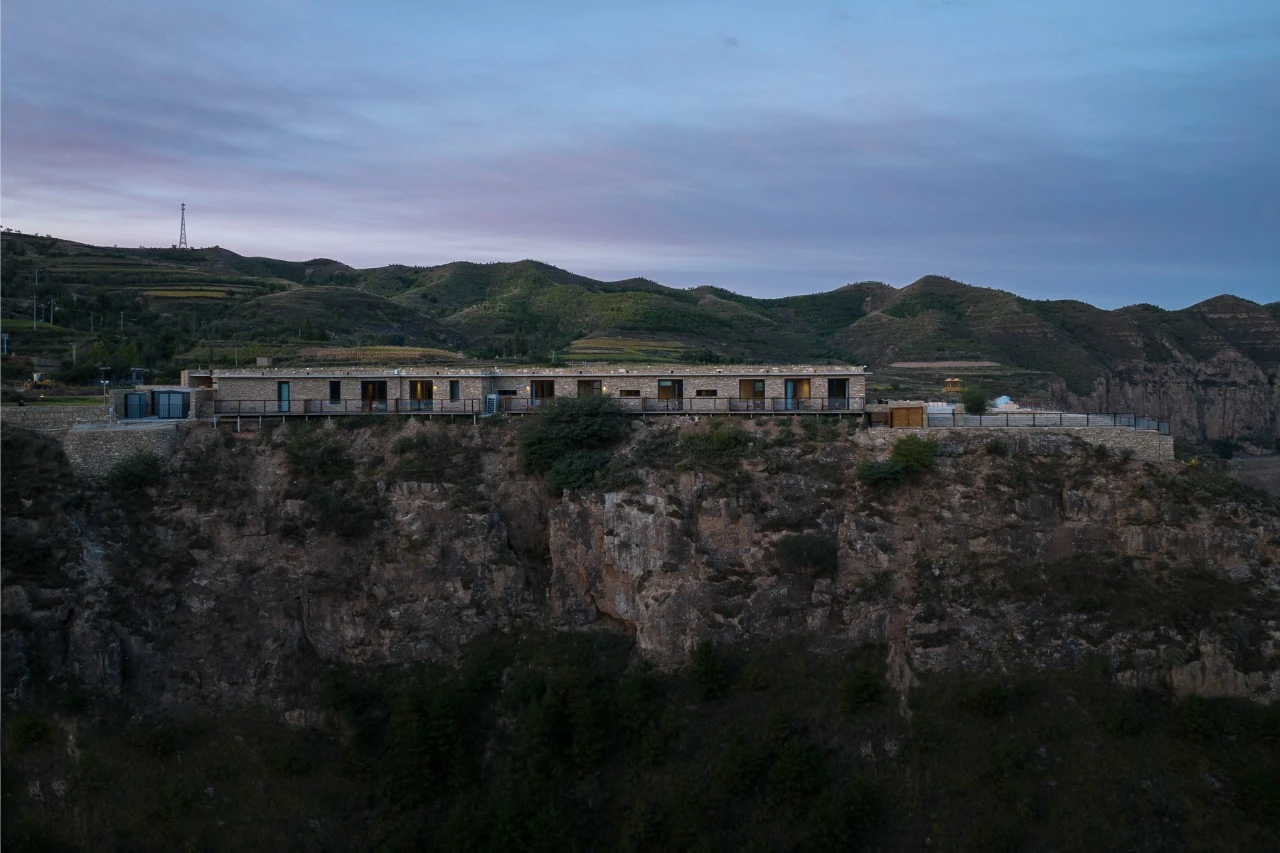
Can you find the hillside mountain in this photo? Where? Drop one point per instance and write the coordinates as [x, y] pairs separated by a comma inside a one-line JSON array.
[[1211, 368]]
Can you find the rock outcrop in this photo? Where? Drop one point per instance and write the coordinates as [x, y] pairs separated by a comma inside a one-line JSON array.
[[1228, 397], [236, 579], [1215, 375]]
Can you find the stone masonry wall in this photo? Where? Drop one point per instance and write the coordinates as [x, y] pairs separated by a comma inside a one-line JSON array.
[[53, 417], [201, 403], [1145, 445], [93, 450]]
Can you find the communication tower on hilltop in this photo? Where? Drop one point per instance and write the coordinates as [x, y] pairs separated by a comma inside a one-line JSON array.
[[182, 238]]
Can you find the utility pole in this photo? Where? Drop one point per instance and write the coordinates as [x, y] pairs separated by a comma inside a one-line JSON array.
[[122, 322]]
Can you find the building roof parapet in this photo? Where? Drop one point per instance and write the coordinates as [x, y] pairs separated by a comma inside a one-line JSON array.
[[601, 370]]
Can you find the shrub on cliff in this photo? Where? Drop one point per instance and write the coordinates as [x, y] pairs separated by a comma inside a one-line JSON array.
[[910, 454], [707, 670], [721, 447], [807, 552], [314, 456], [914, 453], [863, 688], [26, 730], [568, 442], [879, 475], [333, 510], [136, 472], [436, 455]]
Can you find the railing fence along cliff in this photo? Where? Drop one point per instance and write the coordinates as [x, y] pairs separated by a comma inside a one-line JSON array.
[[655, 405], [1046, 419], [347, 407]]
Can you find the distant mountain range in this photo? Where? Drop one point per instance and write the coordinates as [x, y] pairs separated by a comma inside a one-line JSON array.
[[1212, 368]]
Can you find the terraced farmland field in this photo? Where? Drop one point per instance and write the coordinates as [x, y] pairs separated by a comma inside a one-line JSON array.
[[376, 355], [186, 294], [626, 349]]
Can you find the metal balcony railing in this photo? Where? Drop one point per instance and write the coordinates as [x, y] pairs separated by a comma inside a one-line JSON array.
[[347, 407], [517, 405]]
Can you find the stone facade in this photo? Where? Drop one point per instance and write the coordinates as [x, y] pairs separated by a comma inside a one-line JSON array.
[[1145, 445], [314, 391], [94, 449], [53, 417]]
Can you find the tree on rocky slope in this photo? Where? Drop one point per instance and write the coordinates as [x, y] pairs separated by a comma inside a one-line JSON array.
[[569, 441]]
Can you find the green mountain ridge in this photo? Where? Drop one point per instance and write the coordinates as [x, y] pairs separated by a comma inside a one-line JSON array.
[[168, 300]]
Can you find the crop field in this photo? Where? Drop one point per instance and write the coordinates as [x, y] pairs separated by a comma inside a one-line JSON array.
[[926, 382], [376, 354], [228, 353], [625, 349], [187, 294]]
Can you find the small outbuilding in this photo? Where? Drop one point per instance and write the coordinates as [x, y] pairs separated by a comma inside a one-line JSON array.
[[896, 413]]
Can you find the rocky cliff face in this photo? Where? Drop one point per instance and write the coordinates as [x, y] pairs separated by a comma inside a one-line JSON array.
[[1227, 397], [250, 566], [1213, 370]]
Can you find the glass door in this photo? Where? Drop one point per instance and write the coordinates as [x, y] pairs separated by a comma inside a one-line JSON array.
[[421, 395], [797, 390], [751, 393], [837, 393], [373, 395], [671, 392]]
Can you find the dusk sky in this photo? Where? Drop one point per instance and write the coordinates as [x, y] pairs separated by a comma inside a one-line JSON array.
[[1103, 151]]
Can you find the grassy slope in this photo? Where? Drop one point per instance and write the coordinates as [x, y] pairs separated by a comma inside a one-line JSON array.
[[530, 309], [344, 310]]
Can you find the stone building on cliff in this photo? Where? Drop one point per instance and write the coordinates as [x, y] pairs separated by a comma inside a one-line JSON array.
[[490, 390]]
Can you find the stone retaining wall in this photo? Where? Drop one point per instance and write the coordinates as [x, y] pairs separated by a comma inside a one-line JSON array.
[[1145, 445], [53, 417], [94, 450]]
